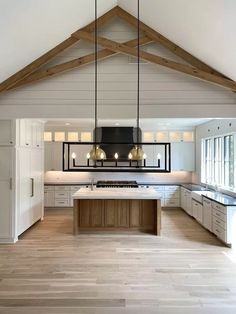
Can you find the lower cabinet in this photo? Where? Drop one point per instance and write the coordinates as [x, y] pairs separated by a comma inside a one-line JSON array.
[[186, 201], [170, 195], [117, 213], [207, 214], [197, 211]]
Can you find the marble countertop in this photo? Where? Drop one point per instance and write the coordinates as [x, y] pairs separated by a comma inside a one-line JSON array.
[[116, 193], [220, 198]]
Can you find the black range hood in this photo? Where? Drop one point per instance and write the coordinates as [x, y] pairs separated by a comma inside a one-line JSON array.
[[106, 135]]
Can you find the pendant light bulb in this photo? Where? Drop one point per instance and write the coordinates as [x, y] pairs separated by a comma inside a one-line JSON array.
[[130, 156], [88, 156], [73, 155], [116, 156]]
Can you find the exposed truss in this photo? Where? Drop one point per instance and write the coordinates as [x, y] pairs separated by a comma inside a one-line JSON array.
[[197, 68]]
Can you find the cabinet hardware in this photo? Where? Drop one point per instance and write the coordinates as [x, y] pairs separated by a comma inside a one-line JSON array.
[[32, 187]]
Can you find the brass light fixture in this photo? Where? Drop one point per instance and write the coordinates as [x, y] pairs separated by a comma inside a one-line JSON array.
[[137, 153]]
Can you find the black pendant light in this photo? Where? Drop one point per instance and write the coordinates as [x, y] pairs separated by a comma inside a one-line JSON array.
[[96, 153], [137, 153]]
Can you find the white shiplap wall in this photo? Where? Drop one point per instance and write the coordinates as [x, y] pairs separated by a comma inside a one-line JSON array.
[[163, 92]]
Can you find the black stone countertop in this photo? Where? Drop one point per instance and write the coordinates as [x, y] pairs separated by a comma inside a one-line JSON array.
[[193, 187], [221, 198]]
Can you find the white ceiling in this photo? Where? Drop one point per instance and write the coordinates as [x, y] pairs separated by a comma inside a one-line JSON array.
[[145, 124], [205, 28]]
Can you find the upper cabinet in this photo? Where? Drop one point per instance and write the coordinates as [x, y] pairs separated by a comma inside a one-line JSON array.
[[30, 133], [7, 132], [183, 156]]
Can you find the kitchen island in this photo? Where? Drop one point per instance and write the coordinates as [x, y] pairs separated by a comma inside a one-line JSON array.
[[117, 209]]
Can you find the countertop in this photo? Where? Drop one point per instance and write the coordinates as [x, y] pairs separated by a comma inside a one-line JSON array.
[[117, 193], [220, 198]]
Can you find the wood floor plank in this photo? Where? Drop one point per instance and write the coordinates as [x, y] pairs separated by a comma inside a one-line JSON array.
[[186, 270]]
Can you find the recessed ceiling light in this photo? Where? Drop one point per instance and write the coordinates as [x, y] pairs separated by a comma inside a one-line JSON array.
[[67, 123], [117, 123]]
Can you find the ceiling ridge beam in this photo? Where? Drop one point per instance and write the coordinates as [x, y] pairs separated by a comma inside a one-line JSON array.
[[157, 37], [49, 55], [76, 63], [186, 69]]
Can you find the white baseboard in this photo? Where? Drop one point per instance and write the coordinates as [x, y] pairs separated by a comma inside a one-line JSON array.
[[8, 240]]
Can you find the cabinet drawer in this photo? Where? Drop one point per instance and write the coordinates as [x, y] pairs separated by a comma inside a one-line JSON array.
[[219, 207], [219, 222], [219, 214], [206, 202], [172, 194], [62, 203], [159, 188], [49, 188], [62, 194], [171, 188], [62, 188], [219, 232], [171, 202]]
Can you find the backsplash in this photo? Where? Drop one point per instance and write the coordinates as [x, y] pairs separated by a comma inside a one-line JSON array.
[[81, 177]]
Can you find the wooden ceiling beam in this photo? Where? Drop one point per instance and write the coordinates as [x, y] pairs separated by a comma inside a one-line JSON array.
[[157, 37], [45, 58], [76, 63], [118, 47]]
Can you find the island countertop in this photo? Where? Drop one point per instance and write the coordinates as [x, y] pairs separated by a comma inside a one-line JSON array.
[[117, 193]]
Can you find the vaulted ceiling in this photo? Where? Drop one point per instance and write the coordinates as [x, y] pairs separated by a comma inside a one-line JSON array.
[[205, 28]]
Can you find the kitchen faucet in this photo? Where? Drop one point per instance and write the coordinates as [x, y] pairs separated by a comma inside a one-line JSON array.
[[92, 183]]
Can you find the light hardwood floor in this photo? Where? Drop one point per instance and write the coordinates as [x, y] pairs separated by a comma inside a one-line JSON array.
[[186, 270]]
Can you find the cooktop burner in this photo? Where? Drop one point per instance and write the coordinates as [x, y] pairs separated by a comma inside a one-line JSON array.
[[117, 184]]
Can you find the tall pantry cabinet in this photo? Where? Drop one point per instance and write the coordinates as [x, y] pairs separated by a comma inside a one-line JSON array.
[[29, 172], [7, 183], [21, 176]]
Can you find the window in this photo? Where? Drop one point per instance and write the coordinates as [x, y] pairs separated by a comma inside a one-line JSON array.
[[218, 161], [229, 161]]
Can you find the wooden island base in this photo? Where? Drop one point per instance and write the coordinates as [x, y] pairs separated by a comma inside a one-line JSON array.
[[114, 214]]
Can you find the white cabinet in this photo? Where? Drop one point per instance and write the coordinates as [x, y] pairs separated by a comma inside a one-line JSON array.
[[183, 156], [197, 211], [186, 201], [49, 196], [30, 133], [53, 156], [207, 214], [30, 188], [7, 136], [6, 195], [169, 195], [60, 195]]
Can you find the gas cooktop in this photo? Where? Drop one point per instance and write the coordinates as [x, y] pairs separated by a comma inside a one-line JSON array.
[[117, 184]]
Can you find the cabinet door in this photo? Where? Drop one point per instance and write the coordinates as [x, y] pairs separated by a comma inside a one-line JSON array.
[[123, 213], [57, 156], [207, 214], [6, 132], [135, 213], [48, 160], [110, 213], [182, 156], [49, 199], [25, 132], [84, 213], [36, 177], [25, 191], [96, 213], [189, 208], [6, 210], [148, 213]]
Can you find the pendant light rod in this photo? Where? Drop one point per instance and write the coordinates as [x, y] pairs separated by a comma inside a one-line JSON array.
[[138, 77], [96, 71]]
